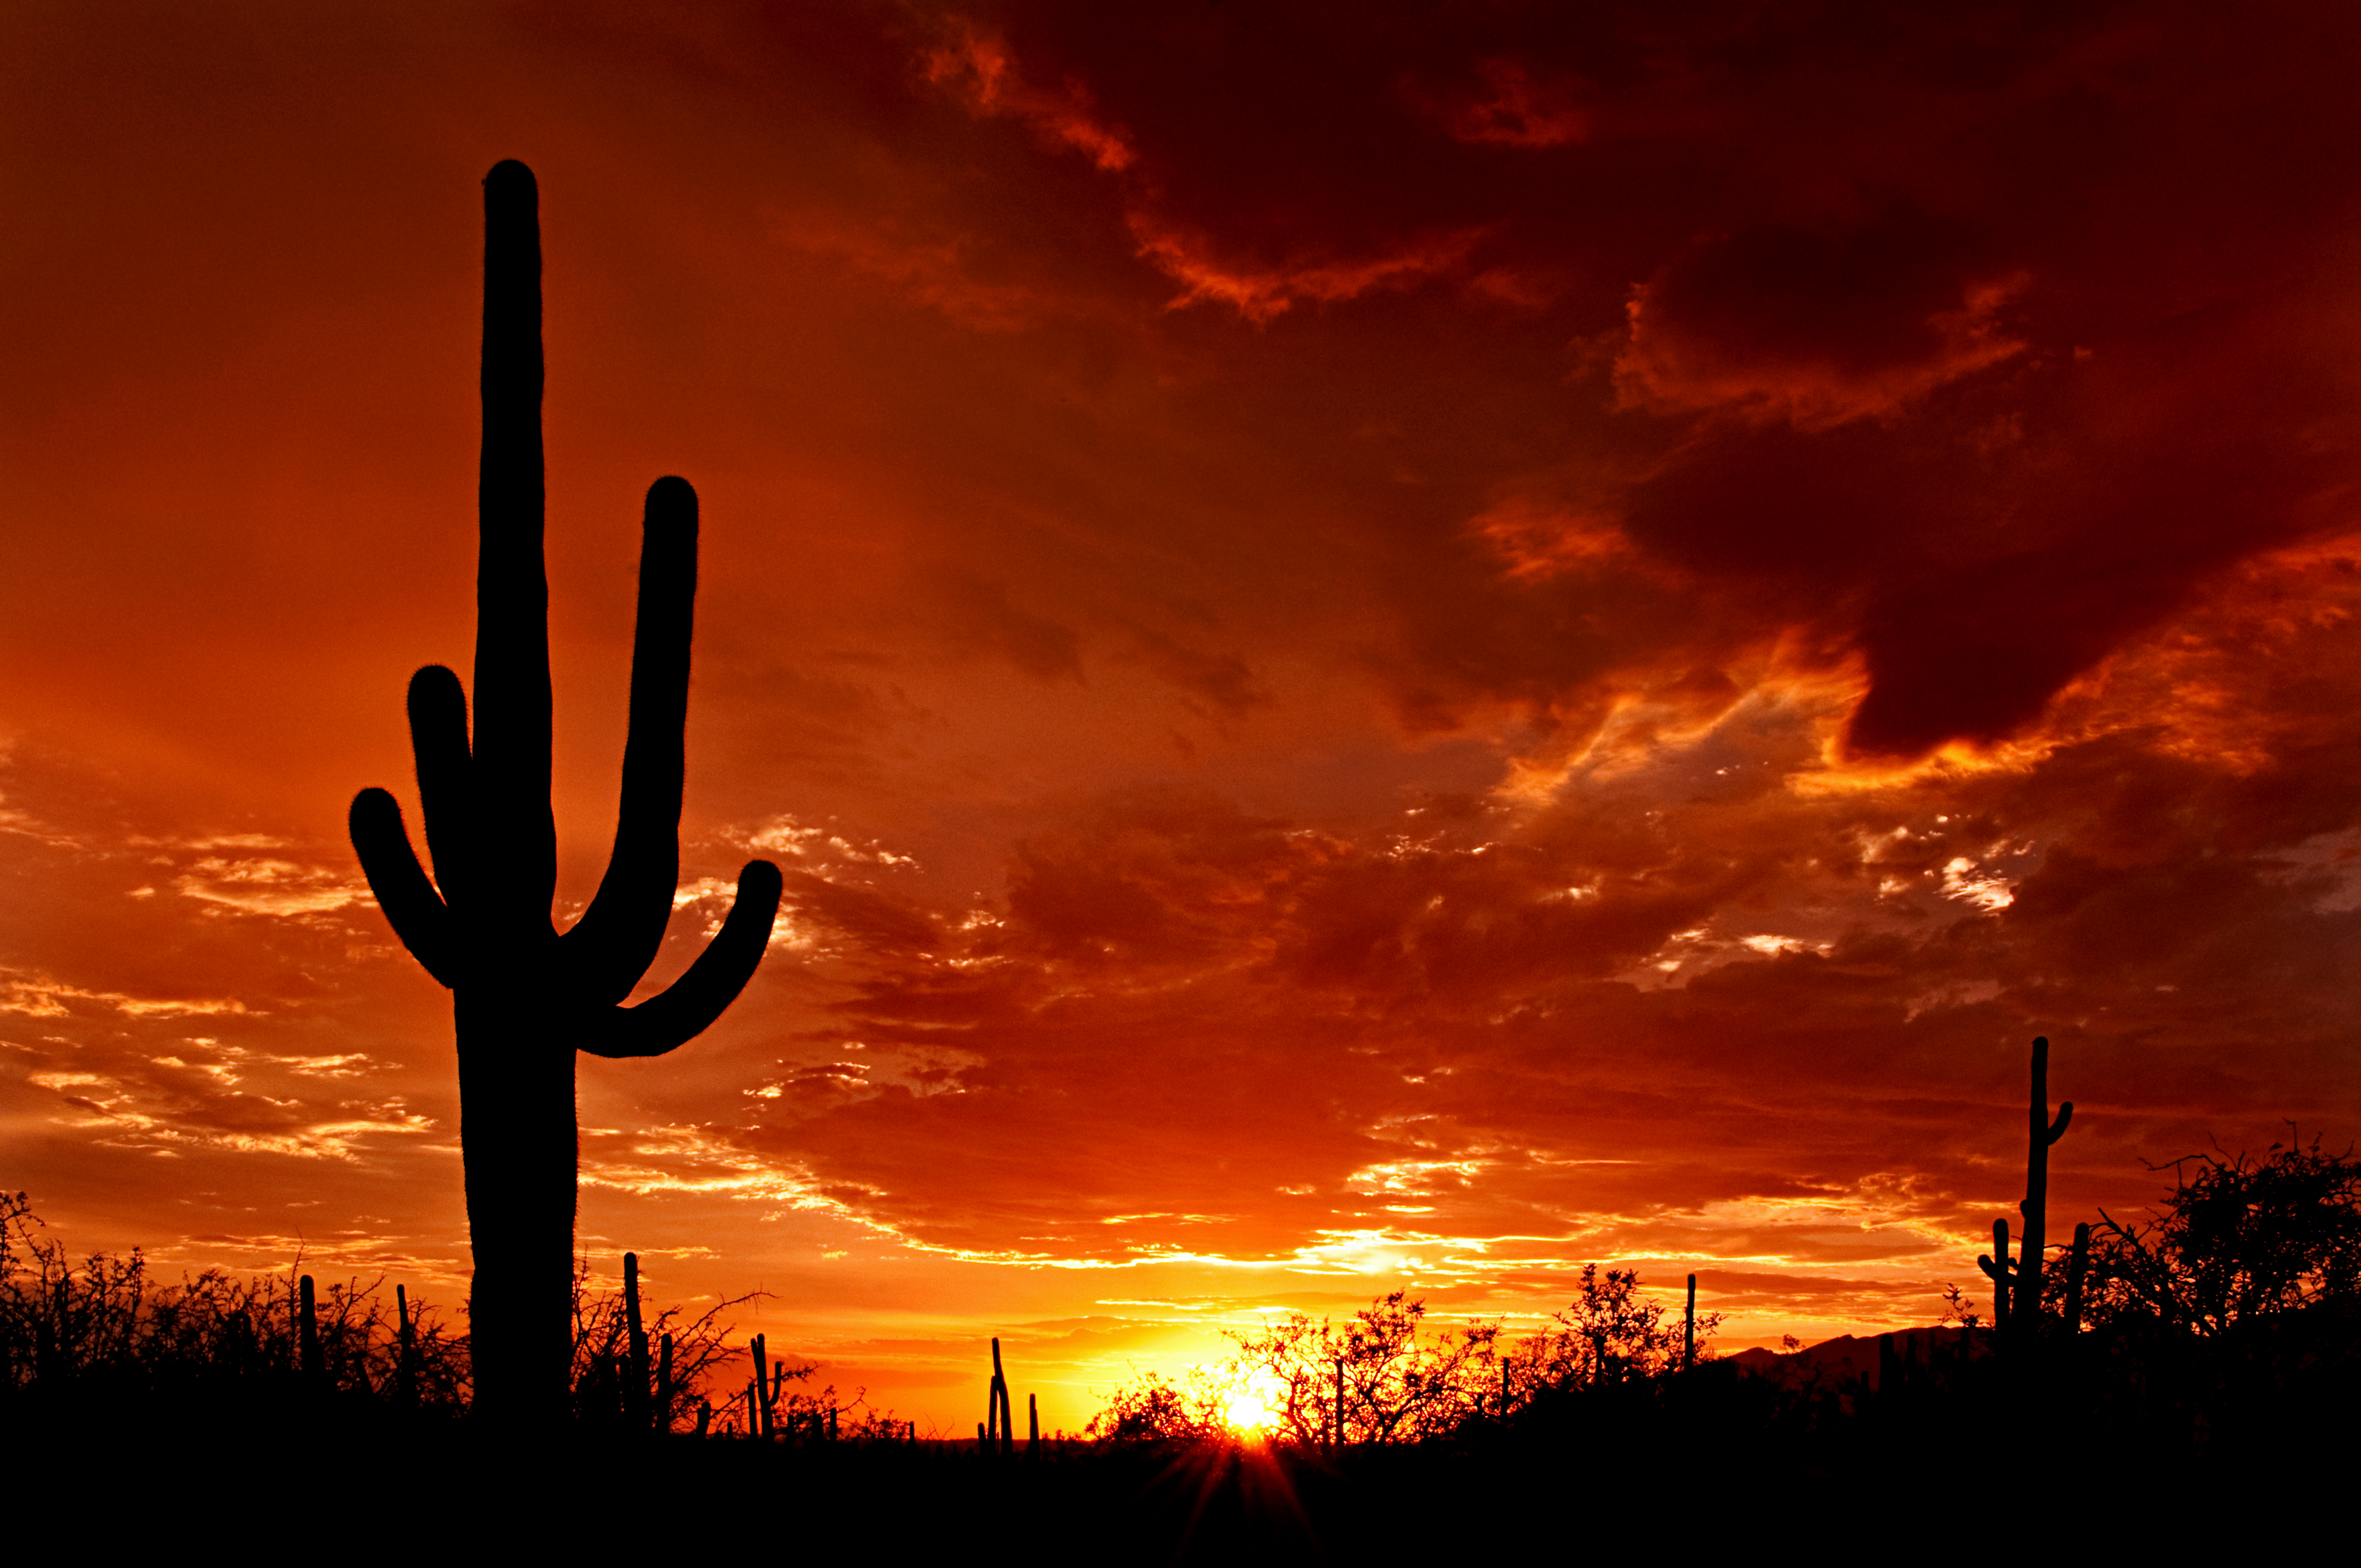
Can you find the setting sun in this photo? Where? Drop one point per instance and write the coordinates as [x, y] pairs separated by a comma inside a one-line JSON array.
[[1254, 1408]]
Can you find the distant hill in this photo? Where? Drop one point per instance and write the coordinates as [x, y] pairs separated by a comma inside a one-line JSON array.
[[1845, 1357]]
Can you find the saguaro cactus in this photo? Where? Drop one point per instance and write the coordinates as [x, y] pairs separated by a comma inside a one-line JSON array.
[[2041, 1132], [635, 1381], [758, 1406], [405, 1366], [1000, 1430], [2077, 1271], [2016, 1290], [307, 1335], [1997, 1269], [526, 998]]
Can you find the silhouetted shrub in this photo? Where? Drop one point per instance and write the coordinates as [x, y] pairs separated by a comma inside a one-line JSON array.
[[102, 1330], [1384, 1377], [105, 1327], [2239, 1240], [1611, 1333]]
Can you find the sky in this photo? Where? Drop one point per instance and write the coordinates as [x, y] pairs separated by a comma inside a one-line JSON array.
[[1385, 647]]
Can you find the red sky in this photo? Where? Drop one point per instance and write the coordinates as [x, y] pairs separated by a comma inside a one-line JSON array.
[[1416, 644]]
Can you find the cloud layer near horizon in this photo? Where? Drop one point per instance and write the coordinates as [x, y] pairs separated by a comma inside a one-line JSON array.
[[1456, 641]]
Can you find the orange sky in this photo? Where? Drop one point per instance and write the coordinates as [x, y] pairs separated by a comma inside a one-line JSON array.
[[1428, 646]]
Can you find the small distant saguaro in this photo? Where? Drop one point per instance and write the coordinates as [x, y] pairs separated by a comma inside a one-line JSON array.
[[524, 997]]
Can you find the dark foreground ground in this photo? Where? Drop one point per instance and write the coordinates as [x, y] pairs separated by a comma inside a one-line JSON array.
[[1973, 1456]]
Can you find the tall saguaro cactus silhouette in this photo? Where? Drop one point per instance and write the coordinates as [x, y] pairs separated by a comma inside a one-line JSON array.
[[2016, 1290], [525, 998], [2041, 1130]]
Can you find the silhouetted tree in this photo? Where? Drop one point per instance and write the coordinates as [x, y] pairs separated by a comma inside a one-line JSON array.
[[1610, 1334], [1383, 1376], [2239, 1240], [525, 998], [1154, 1409], [1376, 1376]]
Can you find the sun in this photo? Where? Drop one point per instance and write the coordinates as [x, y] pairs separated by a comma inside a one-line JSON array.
[[1252, 1409]]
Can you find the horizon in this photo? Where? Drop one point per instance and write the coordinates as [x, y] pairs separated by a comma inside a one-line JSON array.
[[1553, 642]]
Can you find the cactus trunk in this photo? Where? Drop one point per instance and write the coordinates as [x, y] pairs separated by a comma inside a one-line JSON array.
[[2077, 1270], [2042, 1132], [635, 1383], [758, 1408], [1002, 1428], [405, 1374], [1997, 1269], [307, 1333], [517, 1149]]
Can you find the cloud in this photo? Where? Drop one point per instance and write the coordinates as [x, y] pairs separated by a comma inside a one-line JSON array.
[[1507, 108], [1818, 329], [1261, 292], [977, 65], [981, 68]]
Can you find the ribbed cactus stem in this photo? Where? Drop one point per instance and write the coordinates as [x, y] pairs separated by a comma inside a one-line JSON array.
[[1001, 1422], [2042, 1130], [1996, 1270], [1688, 1329], [2078, 1269], [664, 1392], [307, 1332], [635, 1379], [405, 1364], [525, 999], [1032, 1425], [757, 1414]]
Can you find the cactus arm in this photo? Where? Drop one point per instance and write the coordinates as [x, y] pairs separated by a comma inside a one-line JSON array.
[[617, 937], [682, 1012], [517, 833], [412, 905], [438, 740], [2065, 1114]]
